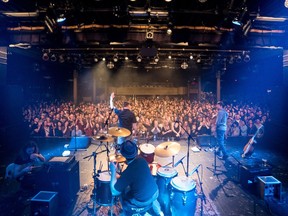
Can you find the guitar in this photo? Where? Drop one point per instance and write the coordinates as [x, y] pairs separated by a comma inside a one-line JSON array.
[[10, 169], [248, 148]]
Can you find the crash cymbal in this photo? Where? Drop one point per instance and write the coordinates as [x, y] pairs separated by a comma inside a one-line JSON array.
[[103, 138], [167, 149], [119, 132], [117, 158]]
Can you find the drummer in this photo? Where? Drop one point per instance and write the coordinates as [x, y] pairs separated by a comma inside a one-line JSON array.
[[126, 118], [136, 185]]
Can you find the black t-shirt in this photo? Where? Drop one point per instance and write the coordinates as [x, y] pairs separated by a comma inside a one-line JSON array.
[[126, 118], [138, 177]]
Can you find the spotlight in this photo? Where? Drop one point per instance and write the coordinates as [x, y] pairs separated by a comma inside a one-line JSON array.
[[5, 1], [286, 3], [53, 58], [156, 58], [198, 59], [246, 57], [95, 59], [169, 57], [115, 58], [191, 56], [184, 65], [169, 31], [45, 56], [110, 65], [238, 59], [103, 59], [61, 18], [126, 58], [61, 58], [149, 35], [139, 58]]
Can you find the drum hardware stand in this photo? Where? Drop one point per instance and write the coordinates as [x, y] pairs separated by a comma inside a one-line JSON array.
[[95, 175]]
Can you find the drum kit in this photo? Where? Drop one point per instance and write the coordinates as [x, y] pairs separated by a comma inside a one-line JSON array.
[[177, 194]]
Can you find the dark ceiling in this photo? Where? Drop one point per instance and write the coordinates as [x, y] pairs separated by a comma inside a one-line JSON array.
[[140, 26]]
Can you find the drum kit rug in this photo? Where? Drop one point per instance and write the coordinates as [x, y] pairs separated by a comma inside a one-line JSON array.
[[177, 194]]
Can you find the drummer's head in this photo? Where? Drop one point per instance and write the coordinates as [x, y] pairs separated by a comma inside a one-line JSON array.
[[129, 150], [126, 104]]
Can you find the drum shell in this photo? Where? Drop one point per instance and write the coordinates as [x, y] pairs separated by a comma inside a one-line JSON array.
[[183, 200], [164, 176], [103, 191], [147, 152]]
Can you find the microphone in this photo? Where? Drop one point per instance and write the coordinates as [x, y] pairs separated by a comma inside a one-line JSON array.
[[194, 170], [178, 162]]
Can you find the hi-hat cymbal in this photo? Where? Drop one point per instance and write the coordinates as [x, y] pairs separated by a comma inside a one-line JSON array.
[[119, 132], [117, 158], [103, 138], [167, 149]]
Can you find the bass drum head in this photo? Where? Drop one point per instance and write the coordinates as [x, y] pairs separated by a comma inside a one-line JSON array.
[[183, 183]]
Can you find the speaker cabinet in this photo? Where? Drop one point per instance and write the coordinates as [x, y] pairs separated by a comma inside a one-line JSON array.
[[64, 180]]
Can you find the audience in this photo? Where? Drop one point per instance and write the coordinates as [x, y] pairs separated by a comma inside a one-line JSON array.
[[155, 115]]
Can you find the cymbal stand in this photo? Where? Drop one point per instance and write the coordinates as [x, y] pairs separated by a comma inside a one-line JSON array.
[[95, 175]]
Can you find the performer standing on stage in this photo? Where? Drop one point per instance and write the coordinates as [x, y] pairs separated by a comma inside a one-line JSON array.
[[126, 118], [136, 185], [221, 127]]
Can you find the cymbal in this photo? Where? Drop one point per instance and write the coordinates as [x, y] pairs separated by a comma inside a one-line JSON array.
[[103, 138], [117, 158], [119, 132], [167, 149]]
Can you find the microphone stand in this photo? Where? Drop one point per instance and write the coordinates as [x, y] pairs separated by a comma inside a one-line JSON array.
[[202, 195], [188, 153]]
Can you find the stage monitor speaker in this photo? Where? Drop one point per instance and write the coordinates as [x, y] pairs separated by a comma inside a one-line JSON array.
[[206, 140], [44, 203], [65, 180], [249, 174]]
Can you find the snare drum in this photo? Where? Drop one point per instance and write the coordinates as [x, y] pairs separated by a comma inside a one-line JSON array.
[[183, 196], [103, 191], [147, 152], [164, 176]]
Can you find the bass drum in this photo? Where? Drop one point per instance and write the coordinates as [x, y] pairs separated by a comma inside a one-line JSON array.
[[103, 191], [164, 176], [183, 196]]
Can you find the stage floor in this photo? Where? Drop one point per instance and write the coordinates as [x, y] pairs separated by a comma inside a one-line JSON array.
[[231, 189]]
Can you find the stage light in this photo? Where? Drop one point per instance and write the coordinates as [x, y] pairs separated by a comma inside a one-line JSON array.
[[169, 31], [110, 65], [45, 56], [61, 18], [169, 57], [95, 59], [126, 58], [53, 58], [191, 57], [238, 59], [103, 59], [184, 65], [198, 59], [61, 58], [156, 58], [5, 1], [246, 57], [139, 58], [115, 58], [286, 3]]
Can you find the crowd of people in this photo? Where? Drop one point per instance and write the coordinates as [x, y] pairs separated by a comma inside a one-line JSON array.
[[157, 118]]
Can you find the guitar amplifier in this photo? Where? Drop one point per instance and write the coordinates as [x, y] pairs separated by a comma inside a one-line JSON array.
[[45, 203], [63, 179], [61, 162]]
